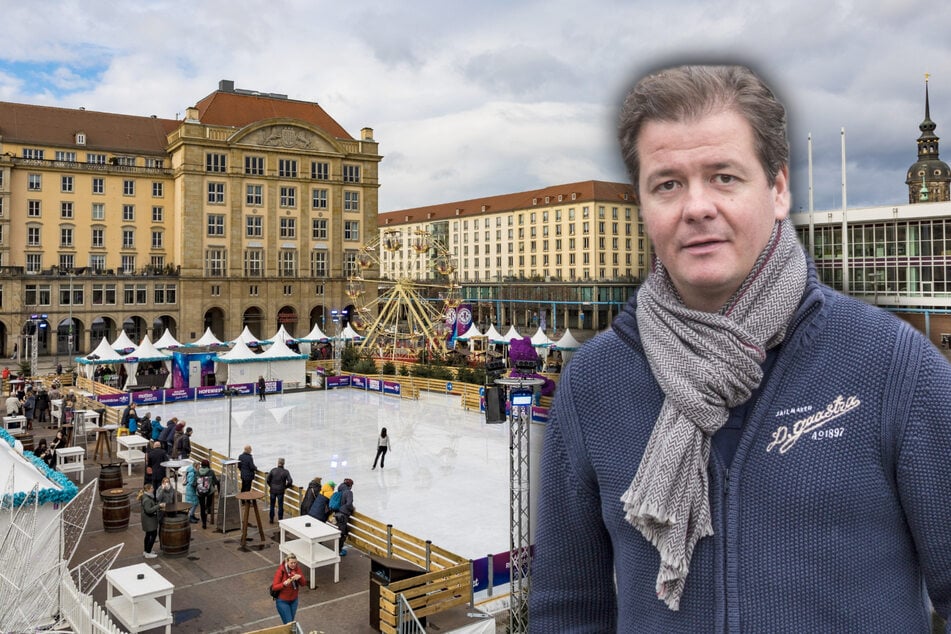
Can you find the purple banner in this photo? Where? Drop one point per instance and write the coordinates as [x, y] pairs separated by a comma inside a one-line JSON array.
[[246, 389], [374, 385], [500, 571], [338, 381], [391, 387], [358, 381], [114, 400], [209, 391], [179, 394], [147, 397]]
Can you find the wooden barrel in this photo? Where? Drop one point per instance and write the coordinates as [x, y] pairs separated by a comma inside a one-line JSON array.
[[175, 534], [110, 477], [115, 510]]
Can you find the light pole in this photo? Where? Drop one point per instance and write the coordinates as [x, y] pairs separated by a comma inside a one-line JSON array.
[[230, 394], [69, 337]]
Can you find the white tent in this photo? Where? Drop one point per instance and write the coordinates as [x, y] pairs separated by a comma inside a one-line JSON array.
[[281, 335], [208, 339], [315, 334], [284, 364], [472, 333], [123, 343], [511, 334], [540, 339], [567, 345], [350, 333], [167, 340], [494, 335], [146, 351], [246, 337], [240, 365], [103, 354]]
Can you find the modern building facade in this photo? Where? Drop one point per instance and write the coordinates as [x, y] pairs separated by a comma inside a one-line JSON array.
[[249, 211], [567, 255]]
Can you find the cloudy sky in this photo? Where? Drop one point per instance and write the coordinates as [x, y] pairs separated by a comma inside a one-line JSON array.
[[470, 99]]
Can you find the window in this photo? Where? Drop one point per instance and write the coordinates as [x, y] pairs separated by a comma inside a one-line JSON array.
[[351, 230], [215, 290], [350, 263], [320, 171], [70, 294], [128, 264], [287, 168], [33, 153], [127, 161], [288, 289], [351, 201], [288, 227], [98, 238], [254, 226], [253, 263], [216, 193], [95, 159], [66, 184], [254, 165], [215, 263], [319, 229], [98, 211], [351, 173], [319, 199], [253, 290], [33, 236], [165, 293], [98, 185], [128, 187], [134, 294], [288, 197], [103, 294], [255, 195], [128, 213], [66, 209], [158, 190], [34, 182], [158, 214], [318, 263], [33, 208], [157, 240], [38, 295], [215, 162], [65, 236], [216, 224], [128, 238], [157, 262], [287, 262], [155, 163]]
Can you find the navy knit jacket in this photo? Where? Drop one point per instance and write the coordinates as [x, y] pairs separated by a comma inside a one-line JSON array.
[[832, 517]]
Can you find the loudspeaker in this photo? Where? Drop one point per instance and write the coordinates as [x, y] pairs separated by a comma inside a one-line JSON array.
[[494, 405]]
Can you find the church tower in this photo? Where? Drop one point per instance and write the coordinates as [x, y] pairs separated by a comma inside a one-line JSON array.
[[928, 179]]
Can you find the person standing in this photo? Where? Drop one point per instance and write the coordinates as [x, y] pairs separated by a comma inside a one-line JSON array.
[[150, 519], [278, 479], [382, 446], [313, 490], [154, 471], [157, 429], [168, 434], [29, 407], [246, 468], [288, 579], [205, 486], [43, 406], [343, 513], [191, 491], [183, 445], [262, 388], [128, 415], [165, 495], [745, 449], [319, 508], [13, 405]]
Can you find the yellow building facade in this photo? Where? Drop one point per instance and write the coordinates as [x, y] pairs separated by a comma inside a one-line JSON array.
[[249, 211]]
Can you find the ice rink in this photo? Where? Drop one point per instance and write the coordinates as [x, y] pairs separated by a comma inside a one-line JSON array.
[[446, 476]]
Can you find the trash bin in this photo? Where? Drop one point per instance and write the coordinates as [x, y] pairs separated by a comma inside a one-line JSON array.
[[383, 572]]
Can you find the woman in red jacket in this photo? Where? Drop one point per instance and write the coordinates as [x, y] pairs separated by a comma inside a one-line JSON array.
[[288, 579]]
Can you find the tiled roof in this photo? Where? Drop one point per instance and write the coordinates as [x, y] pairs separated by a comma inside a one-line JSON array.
[[57, 127], [584, 191], [238, 110]]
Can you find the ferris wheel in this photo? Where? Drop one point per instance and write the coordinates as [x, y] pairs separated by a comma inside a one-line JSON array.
[[408, 314]]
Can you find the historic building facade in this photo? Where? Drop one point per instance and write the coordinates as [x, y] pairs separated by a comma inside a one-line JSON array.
[[250, 211], [567, 255]]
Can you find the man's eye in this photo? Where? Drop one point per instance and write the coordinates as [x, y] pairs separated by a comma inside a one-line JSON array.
[[724, 179], [667, 186]]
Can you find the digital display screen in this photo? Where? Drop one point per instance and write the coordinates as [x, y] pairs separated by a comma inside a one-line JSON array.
[[521, 398]]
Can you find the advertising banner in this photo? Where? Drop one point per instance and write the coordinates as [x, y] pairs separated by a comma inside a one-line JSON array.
[[359, 382], [245, 389], [338, 381], [179, 394], [209, 391], [114, 400], [374, 385], [391, 387], [147, 397]]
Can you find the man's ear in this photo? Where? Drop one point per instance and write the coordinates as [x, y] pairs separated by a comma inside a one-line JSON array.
[[781, 196]]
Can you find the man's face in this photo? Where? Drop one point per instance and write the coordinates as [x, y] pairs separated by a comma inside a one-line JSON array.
[[706, 203]]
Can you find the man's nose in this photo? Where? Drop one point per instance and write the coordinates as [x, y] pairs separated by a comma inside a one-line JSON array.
[[698, 203]]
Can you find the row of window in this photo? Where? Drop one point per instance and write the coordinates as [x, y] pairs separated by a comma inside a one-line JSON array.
[[287, 227], [98, 237], [102, 294], [34, 209], [286, 168], [254, 196], [873, 240], [95, 158], [97, 262], [216, 262], [34, 182], [544, 215]]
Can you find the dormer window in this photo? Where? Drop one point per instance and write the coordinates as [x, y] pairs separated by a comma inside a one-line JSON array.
[[80, 138]]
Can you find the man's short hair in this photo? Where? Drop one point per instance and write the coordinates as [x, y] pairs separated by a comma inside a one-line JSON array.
[[280, 462], [682, 93]]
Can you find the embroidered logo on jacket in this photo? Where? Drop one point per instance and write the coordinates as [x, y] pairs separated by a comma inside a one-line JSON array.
[[784, 438]]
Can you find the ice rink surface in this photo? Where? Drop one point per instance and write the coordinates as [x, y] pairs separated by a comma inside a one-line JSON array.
[[446, 476]]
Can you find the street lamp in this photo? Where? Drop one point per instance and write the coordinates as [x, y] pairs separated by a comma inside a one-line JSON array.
[[69, 337], [229, 392]]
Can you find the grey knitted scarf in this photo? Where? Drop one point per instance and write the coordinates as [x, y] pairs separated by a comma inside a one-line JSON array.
[[706, 363]]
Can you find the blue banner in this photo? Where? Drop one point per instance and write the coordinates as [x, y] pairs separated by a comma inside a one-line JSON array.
[[147, 397], [179, 394], [391, 387], [114, 400]]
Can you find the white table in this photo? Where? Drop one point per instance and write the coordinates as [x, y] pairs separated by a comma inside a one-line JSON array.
[[56, 411], [14, 423], [141, 604], [130, 448], [70, 459], [308, 545]]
